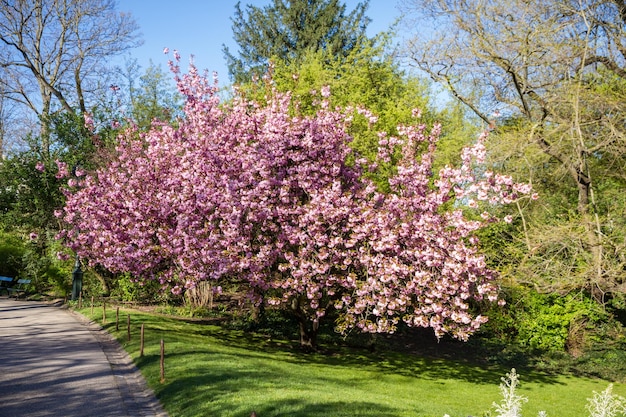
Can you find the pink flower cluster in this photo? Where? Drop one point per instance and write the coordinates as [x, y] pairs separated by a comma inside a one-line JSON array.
[[251, 191]]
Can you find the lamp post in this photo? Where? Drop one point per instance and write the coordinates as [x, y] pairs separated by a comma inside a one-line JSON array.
[[77, 280]]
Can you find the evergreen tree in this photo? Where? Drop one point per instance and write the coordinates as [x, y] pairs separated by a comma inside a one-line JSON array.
[[287, 29]]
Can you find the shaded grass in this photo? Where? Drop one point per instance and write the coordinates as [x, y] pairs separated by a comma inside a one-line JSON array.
[[214, 371]]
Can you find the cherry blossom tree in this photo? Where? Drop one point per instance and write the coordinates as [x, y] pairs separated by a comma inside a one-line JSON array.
[[280, 201]]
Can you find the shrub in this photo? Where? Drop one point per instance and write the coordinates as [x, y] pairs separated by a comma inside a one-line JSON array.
[[549, 323], [11, 254], [126, 288]]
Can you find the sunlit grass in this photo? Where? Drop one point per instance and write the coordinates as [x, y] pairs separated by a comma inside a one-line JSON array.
[[211, 371]]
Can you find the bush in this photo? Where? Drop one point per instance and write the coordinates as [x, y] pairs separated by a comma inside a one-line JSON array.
[[125, 288], [11, 255], [48, 264], [545, 322]]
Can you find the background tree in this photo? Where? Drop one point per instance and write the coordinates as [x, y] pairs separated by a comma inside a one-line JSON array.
[[287, 29], [553, 70], [155, 97], [7, 121], [54, 52], [548, 78]]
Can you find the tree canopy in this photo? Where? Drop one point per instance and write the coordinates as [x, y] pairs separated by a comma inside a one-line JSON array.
[[287, 29], [54, 54], [548, 76]]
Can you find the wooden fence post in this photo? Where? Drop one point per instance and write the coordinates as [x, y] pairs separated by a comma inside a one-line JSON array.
[[128, 326], [162, 361], [142, 340], [117, 318], [104, 311]]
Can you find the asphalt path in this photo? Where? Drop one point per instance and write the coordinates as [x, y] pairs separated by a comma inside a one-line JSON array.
[[55, 363]]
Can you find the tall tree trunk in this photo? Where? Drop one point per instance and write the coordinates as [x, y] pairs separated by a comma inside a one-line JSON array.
[[45, 122]]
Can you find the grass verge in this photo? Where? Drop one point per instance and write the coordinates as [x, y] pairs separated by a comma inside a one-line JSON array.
[[213, 371]]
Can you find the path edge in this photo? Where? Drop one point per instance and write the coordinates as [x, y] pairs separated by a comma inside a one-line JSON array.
[[139, 399]]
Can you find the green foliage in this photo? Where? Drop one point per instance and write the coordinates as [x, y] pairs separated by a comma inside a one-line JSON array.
[[29, 188], [185, 311], [458, 132], [288, 29], [27, 196], [12, 251], [48, 264], [606, 364], [545, 322], [58, 279], [125, 288], [545, 326], [154, 98]]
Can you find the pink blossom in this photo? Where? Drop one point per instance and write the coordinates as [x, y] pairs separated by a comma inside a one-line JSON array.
[[62, 170], [62, 256], [40, 166], [89, 124]]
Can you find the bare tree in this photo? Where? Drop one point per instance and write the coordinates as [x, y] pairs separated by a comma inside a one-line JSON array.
[[54, 50], [556, 71]]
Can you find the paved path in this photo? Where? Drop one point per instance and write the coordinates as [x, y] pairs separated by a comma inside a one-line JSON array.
[[54, 363]]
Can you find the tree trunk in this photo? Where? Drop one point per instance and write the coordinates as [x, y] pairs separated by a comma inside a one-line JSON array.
[[308, 334], [598, 283], [596, 279], [308, 327]]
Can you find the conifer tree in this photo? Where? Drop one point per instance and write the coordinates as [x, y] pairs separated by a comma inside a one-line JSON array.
[[288, 28]]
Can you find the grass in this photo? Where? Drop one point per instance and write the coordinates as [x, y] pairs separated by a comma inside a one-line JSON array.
[[217, 372]]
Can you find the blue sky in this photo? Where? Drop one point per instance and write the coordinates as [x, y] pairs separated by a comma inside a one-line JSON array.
[[200, 27]]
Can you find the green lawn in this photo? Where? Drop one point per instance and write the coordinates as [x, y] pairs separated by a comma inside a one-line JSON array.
[[210, 371]]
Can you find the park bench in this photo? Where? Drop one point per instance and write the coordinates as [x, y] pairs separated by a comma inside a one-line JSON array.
[[5, 284], [19, 288]]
